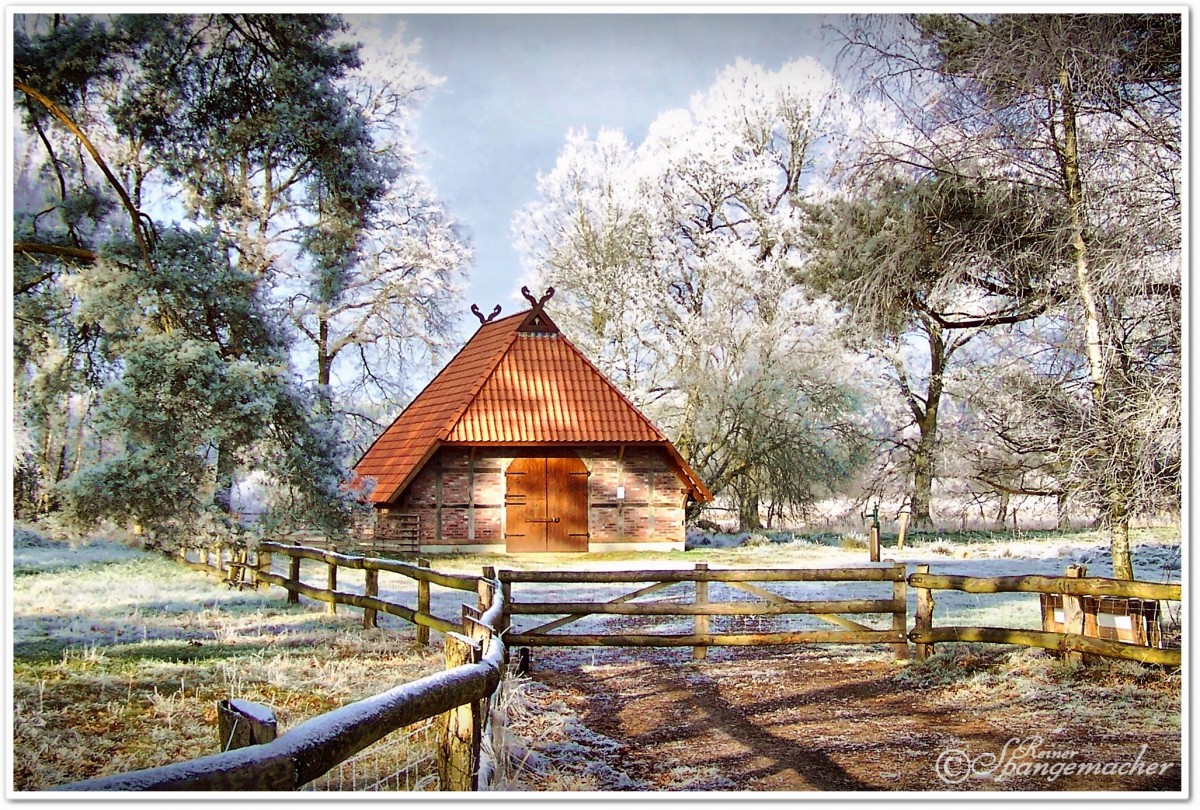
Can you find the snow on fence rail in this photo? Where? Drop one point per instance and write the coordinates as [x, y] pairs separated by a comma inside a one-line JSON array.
[[1071, 587], [457, 698], [768, 603]]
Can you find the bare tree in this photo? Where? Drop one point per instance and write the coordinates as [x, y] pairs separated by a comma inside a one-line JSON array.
[[673, 264]]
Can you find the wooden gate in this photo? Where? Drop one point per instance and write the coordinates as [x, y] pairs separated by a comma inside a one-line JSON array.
[[703, 606], [546, 504]]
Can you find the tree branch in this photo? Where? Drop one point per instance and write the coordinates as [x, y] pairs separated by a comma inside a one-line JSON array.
[[996, 319], [135, 215], [62, 251]]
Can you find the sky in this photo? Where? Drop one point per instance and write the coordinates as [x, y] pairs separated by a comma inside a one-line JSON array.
[[517, 83]]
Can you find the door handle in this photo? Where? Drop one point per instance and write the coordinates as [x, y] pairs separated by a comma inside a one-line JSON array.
[[539, 520]]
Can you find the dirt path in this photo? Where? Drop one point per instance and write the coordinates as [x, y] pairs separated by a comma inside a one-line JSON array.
[[807, 720]]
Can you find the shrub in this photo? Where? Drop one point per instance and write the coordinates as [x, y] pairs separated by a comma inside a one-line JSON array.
[[852, 542]]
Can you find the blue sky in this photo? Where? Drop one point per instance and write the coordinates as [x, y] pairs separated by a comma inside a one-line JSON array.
[[515, 84]]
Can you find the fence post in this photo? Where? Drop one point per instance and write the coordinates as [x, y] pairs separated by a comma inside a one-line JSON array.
[[902, 530], [422, 603], [237, 560], [480, 635], [506, 622], [470, 628], [294, 575], [263, 567], [486, 589], [1073, 612], [331, 586], [371, 588], [506, 595], [874, 544], [459, 732], [924, 617], [699, 653], [900, 618], [241, 723]]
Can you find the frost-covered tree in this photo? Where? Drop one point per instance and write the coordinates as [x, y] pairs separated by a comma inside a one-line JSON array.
[[1085, 109], [170, 168], [369, 321], [673, 263], [921, 266]]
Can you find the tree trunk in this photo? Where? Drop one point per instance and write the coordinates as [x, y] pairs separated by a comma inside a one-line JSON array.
[[923, 472], [46, 475], [923, 461], [1002, 511], [749, 519], [1074, 188], [1118, 531], [324, 363], [1112, 484], [1064, 518], [223, 490]]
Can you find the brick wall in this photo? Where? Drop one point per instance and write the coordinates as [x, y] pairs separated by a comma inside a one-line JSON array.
[[459, 497]]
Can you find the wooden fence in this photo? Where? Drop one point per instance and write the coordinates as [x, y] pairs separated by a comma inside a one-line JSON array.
[[458, 697], [925, 635], [476, 648], [236, 565], [369, 599], [767, 603]]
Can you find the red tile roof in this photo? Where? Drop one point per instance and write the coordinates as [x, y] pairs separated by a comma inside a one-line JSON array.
[[543, 390], [511, 385]]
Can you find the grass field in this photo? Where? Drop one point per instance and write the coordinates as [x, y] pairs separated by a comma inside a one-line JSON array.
[[119, 658], [120, 655]]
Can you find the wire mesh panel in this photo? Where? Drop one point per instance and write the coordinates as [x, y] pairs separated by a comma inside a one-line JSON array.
[[403, 760]]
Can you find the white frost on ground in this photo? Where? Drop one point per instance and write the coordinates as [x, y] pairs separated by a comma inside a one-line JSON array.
[[150, 594], [34, 553], [123, 595], [546, 747]]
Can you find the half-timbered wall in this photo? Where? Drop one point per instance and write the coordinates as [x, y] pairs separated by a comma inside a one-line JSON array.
[[458, 498]]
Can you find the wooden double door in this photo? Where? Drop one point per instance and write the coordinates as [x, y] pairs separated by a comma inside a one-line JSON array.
[[546, 504]]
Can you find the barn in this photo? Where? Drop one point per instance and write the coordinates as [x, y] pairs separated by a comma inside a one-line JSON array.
[[520, 444]]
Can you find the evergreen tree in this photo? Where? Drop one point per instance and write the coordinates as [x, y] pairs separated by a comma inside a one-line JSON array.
[[170, 168]]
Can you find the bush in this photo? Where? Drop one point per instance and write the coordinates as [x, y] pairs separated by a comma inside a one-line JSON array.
[[852, 542], [24, 537]]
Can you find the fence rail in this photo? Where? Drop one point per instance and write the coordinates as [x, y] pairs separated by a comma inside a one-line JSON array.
[[458, 697], [235, 565], [369, 600], [461, 582], [702, 607], [1089, 586], [1072, 587], [891, 573]]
